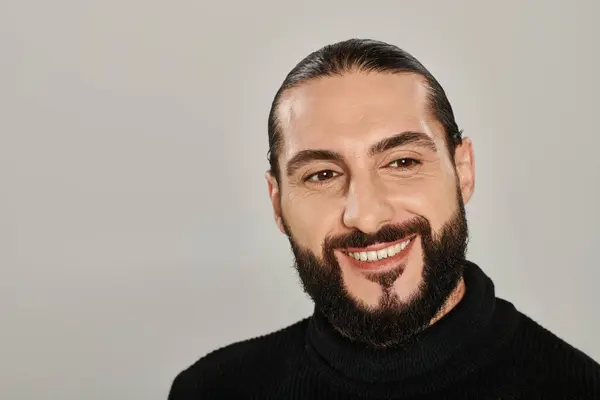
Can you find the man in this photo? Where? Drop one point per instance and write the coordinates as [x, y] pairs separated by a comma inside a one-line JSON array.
[[369, 174]]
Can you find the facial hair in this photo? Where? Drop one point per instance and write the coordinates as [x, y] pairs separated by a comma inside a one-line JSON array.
[[393, 322]]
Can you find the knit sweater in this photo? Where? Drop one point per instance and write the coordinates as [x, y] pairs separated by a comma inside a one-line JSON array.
[[484, 348]]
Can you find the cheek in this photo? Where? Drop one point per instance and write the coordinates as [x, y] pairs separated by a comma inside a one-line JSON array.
[[432, 199], [311, 219]]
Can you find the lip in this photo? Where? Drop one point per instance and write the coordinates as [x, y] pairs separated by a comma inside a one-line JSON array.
[[384, 264], [377, 246]]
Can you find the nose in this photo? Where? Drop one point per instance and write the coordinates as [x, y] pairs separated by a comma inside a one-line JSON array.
[[367, 206]]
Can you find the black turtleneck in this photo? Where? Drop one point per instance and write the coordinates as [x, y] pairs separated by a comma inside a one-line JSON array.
[[482, 349]]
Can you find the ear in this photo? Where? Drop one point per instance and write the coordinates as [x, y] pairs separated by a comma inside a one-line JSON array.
[[274, 195], [464, 162]]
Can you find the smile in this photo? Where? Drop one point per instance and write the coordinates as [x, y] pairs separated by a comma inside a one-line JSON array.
[[380, 254]]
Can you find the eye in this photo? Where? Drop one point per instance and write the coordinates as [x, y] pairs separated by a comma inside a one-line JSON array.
[[405, 163], [322, 176]]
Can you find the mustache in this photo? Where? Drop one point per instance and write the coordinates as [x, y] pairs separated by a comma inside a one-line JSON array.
[[388, 233]]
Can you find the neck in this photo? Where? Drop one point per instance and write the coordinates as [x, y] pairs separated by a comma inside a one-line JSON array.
[[455, 297]]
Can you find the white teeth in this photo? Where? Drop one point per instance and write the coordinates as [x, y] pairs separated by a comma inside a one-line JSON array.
[[391, 251], [380, 254]]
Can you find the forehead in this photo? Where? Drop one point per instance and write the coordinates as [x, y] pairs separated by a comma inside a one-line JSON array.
[[354, 109]]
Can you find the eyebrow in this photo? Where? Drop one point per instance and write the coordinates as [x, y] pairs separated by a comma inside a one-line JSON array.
[[403, 139], [307, 156], [399, 140]]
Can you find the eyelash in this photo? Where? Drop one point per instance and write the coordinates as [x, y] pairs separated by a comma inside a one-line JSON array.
[[309, 178], [414, 164]]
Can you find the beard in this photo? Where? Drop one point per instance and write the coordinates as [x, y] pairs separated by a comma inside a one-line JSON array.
[[393, 322]]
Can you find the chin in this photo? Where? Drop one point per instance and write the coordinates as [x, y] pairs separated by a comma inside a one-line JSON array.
[[381, 289]]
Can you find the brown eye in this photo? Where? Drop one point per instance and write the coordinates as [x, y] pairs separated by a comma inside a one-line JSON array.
[[322, 176], [404, 163]]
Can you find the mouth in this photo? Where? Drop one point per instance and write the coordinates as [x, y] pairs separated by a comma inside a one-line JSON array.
[[381, 255]]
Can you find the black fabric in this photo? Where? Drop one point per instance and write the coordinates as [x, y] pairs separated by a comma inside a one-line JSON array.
[[482, 349]]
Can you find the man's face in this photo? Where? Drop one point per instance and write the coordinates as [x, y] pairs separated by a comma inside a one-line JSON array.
[[371, 202]]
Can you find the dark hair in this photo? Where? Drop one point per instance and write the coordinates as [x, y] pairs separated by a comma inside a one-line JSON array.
[[364, 55]]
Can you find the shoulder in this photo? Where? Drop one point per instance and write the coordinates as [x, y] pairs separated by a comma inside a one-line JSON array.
[[557, 364], [245, 363]]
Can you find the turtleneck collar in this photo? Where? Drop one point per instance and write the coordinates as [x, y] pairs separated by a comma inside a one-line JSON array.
[[453, 346]]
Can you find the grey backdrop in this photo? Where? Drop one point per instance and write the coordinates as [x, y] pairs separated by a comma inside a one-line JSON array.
[[135, 229]]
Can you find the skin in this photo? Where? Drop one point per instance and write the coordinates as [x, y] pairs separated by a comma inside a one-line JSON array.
[[361, 189]]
